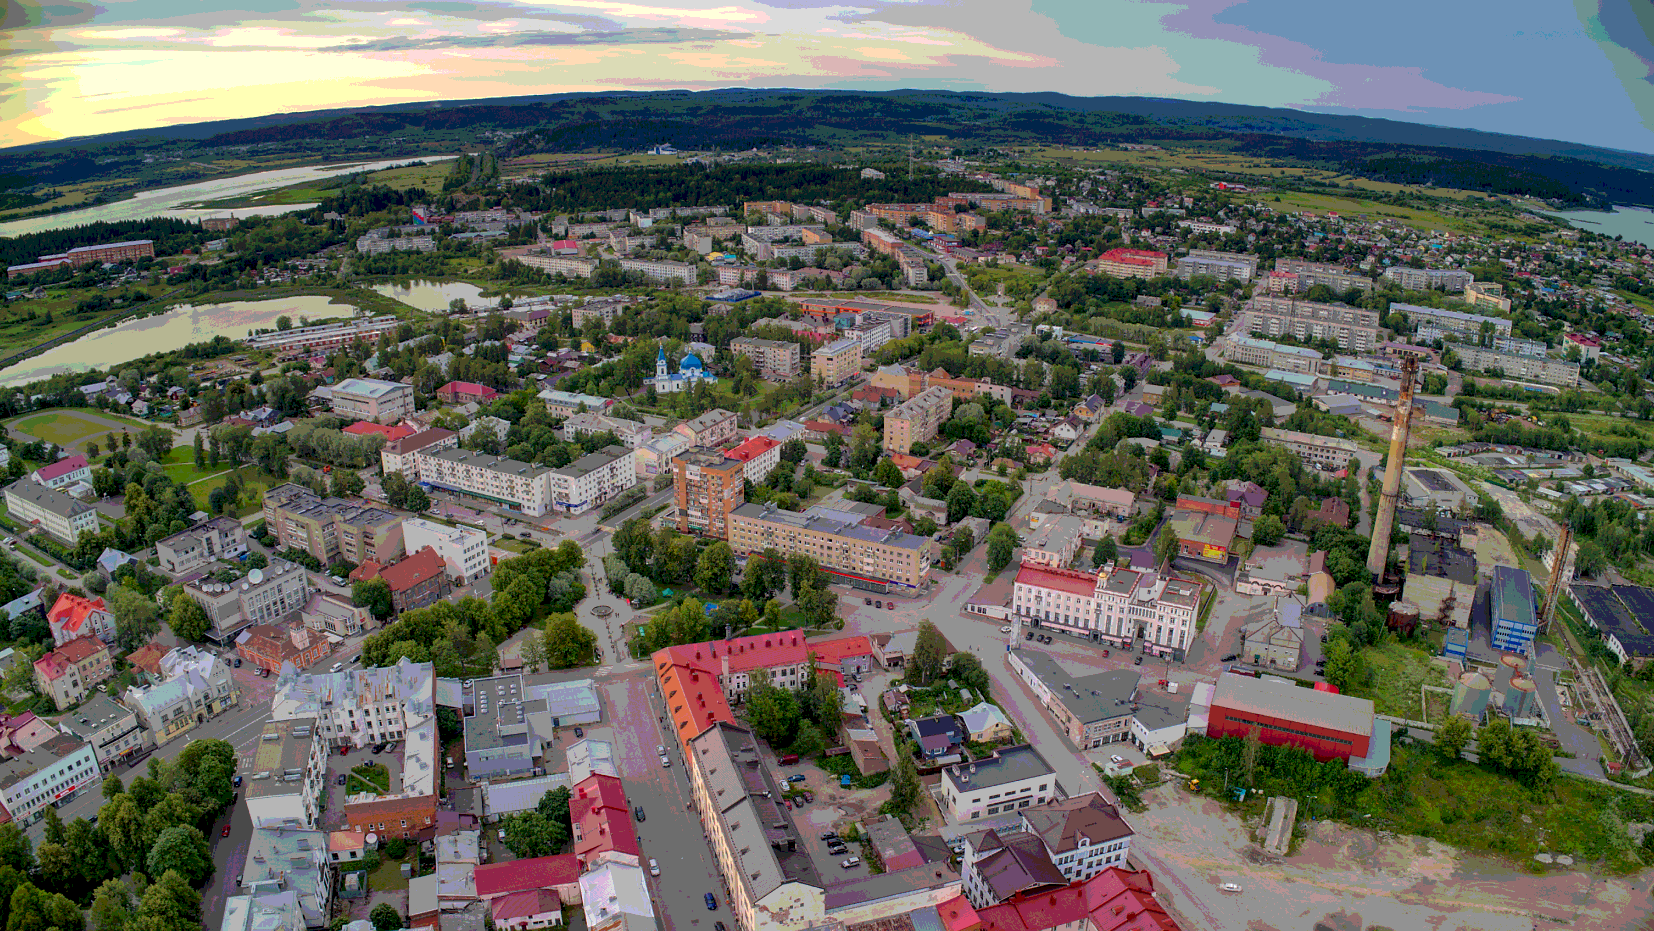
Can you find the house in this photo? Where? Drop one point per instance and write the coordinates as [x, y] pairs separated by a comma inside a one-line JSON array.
[[268, 646], [1249, 497], [1060, 842], [1334, 511], [75, 616], [466, 392], [531, 908], [938, 736], [112, 559], [1276, 641], [985, 723], [417, 580], [1012, 778], [69, 672], [616, 896], [63, 473], [1090, 409], [560, 874], [1068, 429], [601, 819]]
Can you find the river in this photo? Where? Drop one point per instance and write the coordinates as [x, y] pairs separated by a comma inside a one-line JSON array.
[[170, 201], [1634, 223], [174, 329]]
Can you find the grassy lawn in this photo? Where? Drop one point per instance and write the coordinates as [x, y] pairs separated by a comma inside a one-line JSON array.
[[515, 546], [1393, 674], [388, 877], [369, 777], [69, 428], [256, 480]]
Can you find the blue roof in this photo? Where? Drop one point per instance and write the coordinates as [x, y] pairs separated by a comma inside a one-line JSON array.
[[690, 361]]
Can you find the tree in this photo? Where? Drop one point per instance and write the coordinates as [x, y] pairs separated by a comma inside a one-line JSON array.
[[929, 655], [534, 653], [1493, 744], [808, 741], [373, 594], [1590, 559], [567, 643], [773, 713], [1002, 544], [1249, 756], [967, 669], [34, 909], [169, 904], [904, 780], [886, 474], [961, 501], [1452, 736], [182, 848], [188, 619], [200, 451], [112, 905], [1267, 530], [137, 619], [713, 570], [384, 916], [1107, 552], [1165, 546], [1342, 663], [766, 574], [15, 849]]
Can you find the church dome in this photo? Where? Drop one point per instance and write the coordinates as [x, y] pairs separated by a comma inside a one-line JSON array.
[[690, 361]]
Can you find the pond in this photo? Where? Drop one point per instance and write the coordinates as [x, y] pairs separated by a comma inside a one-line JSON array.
[[174, 329], [431, 296]]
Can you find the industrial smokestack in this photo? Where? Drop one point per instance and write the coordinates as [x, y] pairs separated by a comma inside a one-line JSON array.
[[1379, 552]]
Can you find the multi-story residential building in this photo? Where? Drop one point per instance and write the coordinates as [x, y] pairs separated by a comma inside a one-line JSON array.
[[777, 360], [630, 433], [1424, 279], [839, 541], [1295, 276], [268, 646], [1074, 838], [398, 455], [1326, 452], [323, 336], [68, 673], [836, 362], [655, 457], [48, 776], [566, 403], [1547, 371], [63, 473], [713, 428], [1224, 266], [373, 399], [917, 419], [1487, 294], [32, 504], [662, 271], [330, 614], [570, 266], [331, 529], [263, 913], [1354, 329], [707, 488], [592, 479], [758, 455], [193, 686], [603, 311], [614, 891], [1054, 543], [106, 253], [212, 539], [358, 707], [110, 727], [520, 486], [1440, 321], [376, 243], [290, 866], [1521, 347], [74, 616], [771, 881], [418, 580], [1010, 779], [1132, 263], [464, 550], [266, 596], [289, 775], [1272, 355]]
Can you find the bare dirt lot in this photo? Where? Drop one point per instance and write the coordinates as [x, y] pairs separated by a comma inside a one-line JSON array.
[[1348, 879]]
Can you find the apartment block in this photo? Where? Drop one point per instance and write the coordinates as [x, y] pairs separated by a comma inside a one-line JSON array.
[[1459, 323], [51, 774], [917, 419], [193, 686], [1353, 329], [331, 529], [758, 455], [1272, 355], [567, 404], [1224, 266], [839, 541], [417, 580], [603, 312], [464, 550], [113, 252], [1519, 367], [630, 433], [777, 360], [1487, 294], [323, 336], [707, 488], [1132, 263], [1425, 279], [359, 707], [266, 596], [206, 542], [520, 486], [59, 516], [569, 266], [836, 362], [1011, 778], [1295, 276], [713, 428], [397, 455], [1520, 346], [592, 479], [1328, 452], [110, 727], [1067, 841], [661, 271], [373, 399], [289, 775]]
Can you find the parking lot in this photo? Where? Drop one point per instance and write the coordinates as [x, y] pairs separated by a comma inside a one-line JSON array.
[[340, 765]]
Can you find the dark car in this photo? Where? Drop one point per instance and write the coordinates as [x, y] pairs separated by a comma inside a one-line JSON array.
[[711, 902], [718, 926], [238, 662], [809, 797], [1138, 661], [867, 601], [830, 835], [1028, 636], [378, 748], [638, 811], [341, 779], [236, 781], [1231, 657], [579, 732]]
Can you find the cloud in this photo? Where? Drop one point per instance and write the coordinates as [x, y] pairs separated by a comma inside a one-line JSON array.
[[513, 39]]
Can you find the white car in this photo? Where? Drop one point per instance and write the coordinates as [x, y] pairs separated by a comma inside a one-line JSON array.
[[1117, 760], [1230, 887], [1006, 629], [654, 868], [852, 862], [665, 761]]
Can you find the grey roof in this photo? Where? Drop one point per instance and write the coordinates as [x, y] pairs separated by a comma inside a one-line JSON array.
[[891, 885], [369, 387], [1007, 765], [500, 718], [1288, 702], [1098, 697], [47, 499], [486, 461], [827, 520], [289, 858], [750, 816], [566, 699], [1512, 595], [281, 757], [588, 464]]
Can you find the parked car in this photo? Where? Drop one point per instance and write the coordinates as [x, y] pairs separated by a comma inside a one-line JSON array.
[[638, 811], [1006, 629], [1138, 661], [236, 781], [830, 835], [337, 666], [342, 779], [1028, 636], [225, 832], [1230, 887], [1231, 657], [711, 902], [788, 759], [851, 863], [796, 777], [660, 749], [378, 749], [238, 662], [809, 797], [867, 601], [837, 850], [654, 867], [665, 761]]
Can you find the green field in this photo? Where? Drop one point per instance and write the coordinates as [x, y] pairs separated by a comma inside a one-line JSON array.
[[257, 481], [70, 428]]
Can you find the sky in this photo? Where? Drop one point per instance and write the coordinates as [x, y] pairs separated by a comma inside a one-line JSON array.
[[1577, 70]]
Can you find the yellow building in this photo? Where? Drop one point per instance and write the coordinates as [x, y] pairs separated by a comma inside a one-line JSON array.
[[838, 540], [836, 362]]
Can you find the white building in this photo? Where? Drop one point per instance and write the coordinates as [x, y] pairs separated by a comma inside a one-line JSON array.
[[398, 455], [50, 774], [277, 912], [1074, 839], [689, 374], [463, 549], [358, 707], [616, 894], [373, 399], [288, 775], [194, 686], [210, 540], [518, 485], [110, 727], [661, 271], [591, 480], [32, 504], [1011, 779], [1119, 606], [629, 432]]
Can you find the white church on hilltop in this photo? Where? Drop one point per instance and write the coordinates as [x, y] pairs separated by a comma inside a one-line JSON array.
[[689, 374]]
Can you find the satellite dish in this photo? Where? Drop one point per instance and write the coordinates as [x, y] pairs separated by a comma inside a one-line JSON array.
[[256, 576], [372, 839]]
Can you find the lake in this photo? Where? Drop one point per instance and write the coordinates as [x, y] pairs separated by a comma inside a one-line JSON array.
[[171, 201], [174, 329], [431, 296], [1634, 223]]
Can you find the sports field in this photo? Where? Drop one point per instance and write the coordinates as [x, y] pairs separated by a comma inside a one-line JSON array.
[[72, 428]]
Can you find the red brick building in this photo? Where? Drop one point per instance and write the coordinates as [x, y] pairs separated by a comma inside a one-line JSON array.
[[1329, 725], [267, 646], [416, 581], [394, 817], [465, 392]]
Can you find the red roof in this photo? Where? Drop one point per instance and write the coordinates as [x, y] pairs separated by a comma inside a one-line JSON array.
[[1133, 256], [525, 904], [752, 449], [602, 819], [467, 388], [842, 648], [1589, 341], [693, 696], [366, 428], [757, 651], [58, 661], [497, 879], [69, 612], [1113, 900], [413, 569], [1071, 581], [61, 468]]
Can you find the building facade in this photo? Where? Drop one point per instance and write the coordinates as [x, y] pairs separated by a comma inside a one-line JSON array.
[[713, 428], [707, 488], [331, 529], [839, 542], [266, 596], [69, 672], [836, 362], [194, 686], [373, 399], [917, 419], [1326, 452], [47, 776], [398, 455], [777, 360], [1012, 778], [289, 775], [1520, 367], [1425, 279], [206, 542], [1329, 725], [464, 550], [593, 479], [520, 486], [267, 646], [74, 616], [32, 504], [1353, 329]]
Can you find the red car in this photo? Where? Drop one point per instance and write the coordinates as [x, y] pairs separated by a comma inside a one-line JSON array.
[[225, 832]]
